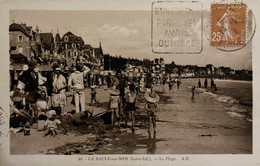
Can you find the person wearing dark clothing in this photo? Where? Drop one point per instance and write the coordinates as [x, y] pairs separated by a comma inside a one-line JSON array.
[[178, 83], [18, 116], [171, 82], [121, 88], [212, 84], [149, 82], [215, 87], [206, 83], [193, 90], [108, 79], [164, 81], [30, 80], [130, 98], [199, 84], [49, 81]]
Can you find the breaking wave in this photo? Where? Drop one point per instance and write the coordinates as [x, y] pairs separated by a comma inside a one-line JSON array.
[[233, 107]]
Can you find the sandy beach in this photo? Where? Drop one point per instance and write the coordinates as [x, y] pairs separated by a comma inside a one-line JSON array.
[[185, 125]]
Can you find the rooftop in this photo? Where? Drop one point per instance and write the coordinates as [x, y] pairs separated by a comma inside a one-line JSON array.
[[19, 27]]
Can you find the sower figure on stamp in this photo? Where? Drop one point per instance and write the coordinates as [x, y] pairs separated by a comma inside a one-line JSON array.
[[151, 107], [225, 22]]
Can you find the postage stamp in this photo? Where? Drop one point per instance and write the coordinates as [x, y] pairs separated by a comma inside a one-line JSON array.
[[177, 27], [228, 25]]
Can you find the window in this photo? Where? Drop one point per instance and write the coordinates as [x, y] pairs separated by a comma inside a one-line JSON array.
[[66, 39], [20, 38], [20, 49], [69, 54], [75, 54]]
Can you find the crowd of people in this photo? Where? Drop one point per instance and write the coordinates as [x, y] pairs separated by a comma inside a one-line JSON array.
[[212, 84], [36, 99]]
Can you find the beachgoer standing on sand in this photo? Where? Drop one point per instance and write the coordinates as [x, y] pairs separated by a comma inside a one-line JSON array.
[[193, 90], [142, 84], [121, 87], [212, 83], [30, 80], [108, 80], [76, 83], [59, 99], [149, 82], [199, 84], [93, 94], [164, 80], [206, 83], [151, 107], [49, 82], [113, 104], [178, 82], [130, 98], [171, 82], [115, 80], [99, 81]]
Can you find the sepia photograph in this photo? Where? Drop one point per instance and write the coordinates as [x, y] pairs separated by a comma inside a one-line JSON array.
[[129, 85]]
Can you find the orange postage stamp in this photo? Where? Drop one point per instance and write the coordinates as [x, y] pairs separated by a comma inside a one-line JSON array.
[[228, 25]]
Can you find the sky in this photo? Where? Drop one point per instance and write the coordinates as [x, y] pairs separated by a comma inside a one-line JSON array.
[[127, 33]]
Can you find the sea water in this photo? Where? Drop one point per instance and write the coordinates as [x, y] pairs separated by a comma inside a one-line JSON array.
[[235, 95]]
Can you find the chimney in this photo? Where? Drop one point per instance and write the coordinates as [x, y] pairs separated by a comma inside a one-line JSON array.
[[30, 27], [37, 29]]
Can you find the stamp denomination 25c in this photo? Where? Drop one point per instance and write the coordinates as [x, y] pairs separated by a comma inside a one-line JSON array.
[[228, 25]]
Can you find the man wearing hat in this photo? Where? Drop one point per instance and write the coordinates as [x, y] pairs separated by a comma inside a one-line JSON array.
[[76, 83], [151, 107], [30, 80], [113, 104], [17, 115], [58, 93]]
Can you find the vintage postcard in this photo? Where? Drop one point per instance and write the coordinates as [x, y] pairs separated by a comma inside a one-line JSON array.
[[147, 82]]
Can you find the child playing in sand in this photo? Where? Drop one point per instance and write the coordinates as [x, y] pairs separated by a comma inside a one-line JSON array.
[[113, 104], [93, 94], [151, 107], [42, 102], [130, 98], [52, 123]]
